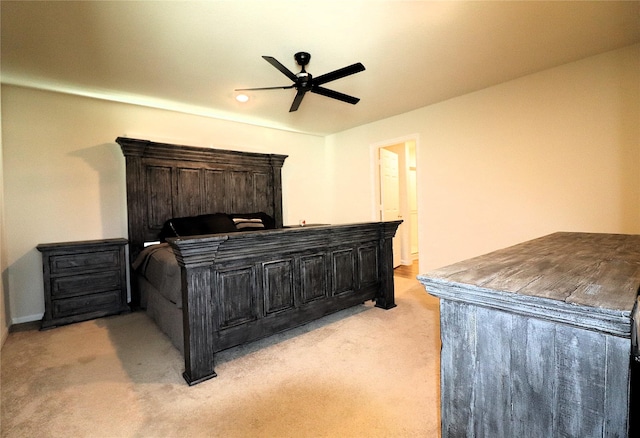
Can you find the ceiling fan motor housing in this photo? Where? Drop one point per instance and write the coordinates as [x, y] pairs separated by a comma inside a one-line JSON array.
[[302, 58]]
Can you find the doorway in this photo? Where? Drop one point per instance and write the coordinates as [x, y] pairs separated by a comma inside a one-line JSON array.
[[404, 152]]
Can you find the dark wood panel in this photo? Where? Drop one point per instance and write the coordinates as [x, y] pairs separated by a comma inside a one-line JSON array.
[[458, 357], [79, 284], [87, 304], [235, 298], [278, 285], [580, 386], [262, 192], [343, 265], [493, 371], [533, 352], [214, 189], [620, 406], [160, 199], [368, 264], [242, 187], [188, 193], [66, 263], [313, 277]]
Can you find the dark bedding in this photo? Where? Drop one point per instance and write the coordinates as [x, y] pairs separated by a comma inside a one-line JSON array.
[[215, 223], [158, 265]]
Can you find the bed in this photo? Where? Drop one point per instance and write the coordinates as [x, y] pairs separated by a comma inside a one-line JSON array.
[[211, 221]]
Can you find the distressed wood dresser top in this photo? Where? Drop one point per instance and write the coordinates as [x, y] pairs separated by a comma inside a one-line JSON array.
[[599, 273]]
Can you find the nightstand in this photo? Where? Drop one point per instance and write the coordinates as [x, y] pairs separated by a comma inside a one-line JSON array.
[[83, 280]]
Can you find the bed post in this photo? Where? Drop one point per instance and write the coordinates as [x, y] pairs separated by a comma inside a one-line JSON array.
[[386, 295], [198, 312], [277, 161], [133, 153]]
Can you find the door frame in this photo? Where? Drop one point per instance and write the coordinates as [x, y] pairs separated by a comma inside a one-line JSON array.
[[405, 228]]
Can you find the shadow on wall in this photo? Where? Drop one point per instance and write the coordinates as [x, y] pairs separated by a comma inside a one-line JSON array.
[[6, 318], [107, 160], [30, 262]]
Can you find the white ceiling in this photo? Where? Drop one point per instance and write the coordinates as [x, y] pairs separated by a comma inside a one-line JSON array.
[[190, 56]]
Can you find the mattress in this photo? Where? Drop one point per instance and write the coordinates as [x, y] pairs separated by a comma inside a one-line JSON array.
[[158, 265]]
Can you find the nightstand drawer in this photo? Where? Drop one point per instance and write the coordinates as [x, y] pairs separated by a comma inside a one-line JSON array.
[[62, 264], [84, 284], [86, 304]]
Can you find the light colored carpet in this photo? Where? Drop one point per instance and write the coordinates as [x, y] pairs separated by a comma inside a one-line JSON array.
[[363, 372]]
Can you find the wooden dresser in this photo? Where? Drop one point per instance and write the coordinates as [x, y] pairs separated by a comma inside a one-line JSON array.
[[536, 338], [83, 280]]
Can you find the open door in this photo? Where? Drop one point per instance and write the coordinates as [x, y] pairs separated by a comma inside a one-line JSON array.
[[390, 195]]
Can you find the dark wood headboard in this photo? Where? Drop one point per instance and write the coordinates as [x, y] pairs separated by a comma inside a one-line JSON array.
[[167, 180]]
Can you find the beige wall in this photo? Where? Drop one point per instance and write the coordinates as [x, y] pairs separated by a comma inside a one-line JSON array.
[[64, 174], [557, 150], [4, 318]]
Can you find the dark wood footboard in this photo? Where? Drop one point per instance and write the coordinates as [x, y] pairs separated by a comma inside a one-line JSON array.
[[245, 286]]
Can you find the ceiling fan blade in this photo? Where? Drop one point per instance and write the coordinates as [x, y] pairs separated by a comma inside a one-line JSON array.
[[297, 100], [274, 62], [337, 74], [335, 95], [265, 88]]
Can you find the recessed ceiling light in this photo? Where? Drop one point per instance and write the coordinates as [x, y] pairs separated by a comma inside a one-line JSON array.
[[242, 98]]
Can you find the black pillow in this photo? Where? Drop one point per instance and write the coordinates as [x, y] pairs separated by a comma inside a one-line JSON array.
[[180, 227], [217, 223], [197, 225]]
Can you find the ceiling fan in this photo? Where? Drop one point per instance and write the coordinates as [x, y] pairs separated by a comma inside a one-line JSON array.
[[304, 82]]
